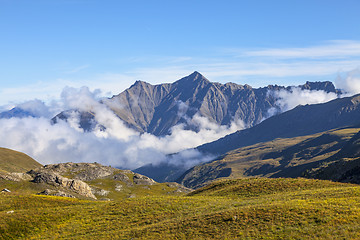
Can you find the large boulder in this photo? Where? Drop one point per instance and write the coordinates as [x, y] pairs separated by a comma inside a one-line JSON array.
[[54, 179]]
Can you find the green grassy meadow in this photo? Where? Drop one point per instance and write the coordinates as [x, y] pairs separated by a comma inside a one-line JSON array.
[[255, 208]]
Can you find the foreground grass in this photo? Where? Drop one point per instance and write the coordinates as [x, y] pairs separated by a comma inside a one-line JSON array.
[[244, 209]]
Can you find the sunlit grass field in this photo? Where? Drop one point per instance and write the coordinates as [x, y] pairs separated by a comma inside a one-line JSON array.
[[257, 208]]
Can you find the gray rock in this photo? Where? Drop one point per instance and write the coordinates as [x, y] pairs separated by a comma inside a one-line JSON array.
[[124, 178], [82, 171], [16, 177], [119, 188], [100, 192], [58, 193], [178, 187], [142, 180], [51, 178]]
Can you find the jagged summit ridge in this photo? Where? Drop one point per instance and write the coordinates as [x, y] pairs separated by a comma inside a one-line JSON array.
[[157, 108]]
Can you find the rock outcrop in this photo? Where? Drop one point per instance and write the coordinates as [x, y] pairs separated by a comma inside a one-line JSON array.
[[16, 177], [142, 180], [51, 178], [57, 193]]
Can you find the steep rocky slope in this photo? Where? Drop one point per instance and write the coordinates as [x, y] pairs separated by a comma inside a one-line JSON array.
[[157, 108]]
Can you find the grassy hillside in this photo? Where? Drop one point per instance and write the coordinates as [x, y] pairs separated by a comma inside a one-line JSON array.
[[284, 157], [13, 161], [244, 209]]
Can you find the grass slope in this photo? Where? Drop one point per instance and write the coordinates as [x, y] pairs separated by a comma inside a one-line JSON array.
[[13, 161], [244, 209]]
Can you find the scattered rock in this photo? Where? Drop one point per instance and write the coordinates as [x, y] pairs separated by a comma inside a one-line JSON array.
[[105, 199], [119, 188], [179, 188], [49, 192], [124, 178], [142, 180], [100, 192]]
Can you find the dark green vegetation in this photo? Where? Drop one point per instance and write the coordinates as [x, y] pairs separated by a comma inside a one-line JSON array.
[[245, 209], [286, 157], [13, 161]]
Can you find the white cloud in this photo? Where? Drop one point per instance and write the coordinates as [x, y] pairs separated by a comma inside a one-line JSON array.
[[256, 67], [350, 83], [117, 145], [287, 100], [77, 69], [120, 146], [334, 49]]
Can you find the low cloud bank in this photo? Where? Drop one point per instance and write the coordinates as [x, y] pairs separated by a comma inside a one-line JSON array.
[[287, 100], [349, 82], [126, 148], [117, 145]]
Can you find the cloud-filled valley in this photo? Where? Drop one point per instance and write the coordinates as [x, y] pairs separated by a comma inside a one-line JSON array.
[[120, 146]]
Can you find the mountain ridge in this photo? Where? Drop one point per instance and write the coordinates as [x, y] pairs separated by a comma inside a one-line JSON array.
[[157, 108], [302, 120]]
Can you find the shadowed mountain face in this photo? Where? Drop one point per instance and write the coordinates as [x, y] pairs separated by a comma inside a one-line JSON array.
[[157, 108], [300, 121], [16, 112], [343, 166], [282, 157], [279, 147]]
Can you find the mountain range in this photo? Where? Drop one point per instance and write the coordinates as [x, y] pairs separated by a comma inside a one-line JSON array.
[[292, 144], [156, 109]]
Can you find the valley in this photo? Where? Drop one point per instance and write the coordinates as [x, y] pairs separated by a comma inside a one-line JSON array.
[[286, 176]]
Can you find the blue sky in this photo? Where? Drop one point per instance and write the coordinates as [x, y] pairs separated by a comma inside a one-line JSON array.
[[46, 45]]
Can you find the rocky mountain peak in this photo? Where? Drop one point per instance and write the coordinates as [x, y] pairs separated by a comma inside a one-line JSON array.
[[194, 78], [155, 108], [326, 86]]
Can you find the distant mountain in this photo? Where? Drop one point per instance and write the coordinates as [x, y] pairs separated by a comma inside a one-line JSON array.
[[16, 112], [256, 150], [281, 157], [157, 108], [300, 121]]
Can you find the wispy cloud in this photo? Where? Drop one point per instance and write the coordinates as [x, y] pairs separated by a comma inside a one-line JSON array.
[[77, 69], [332, 49], [256, 67]]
